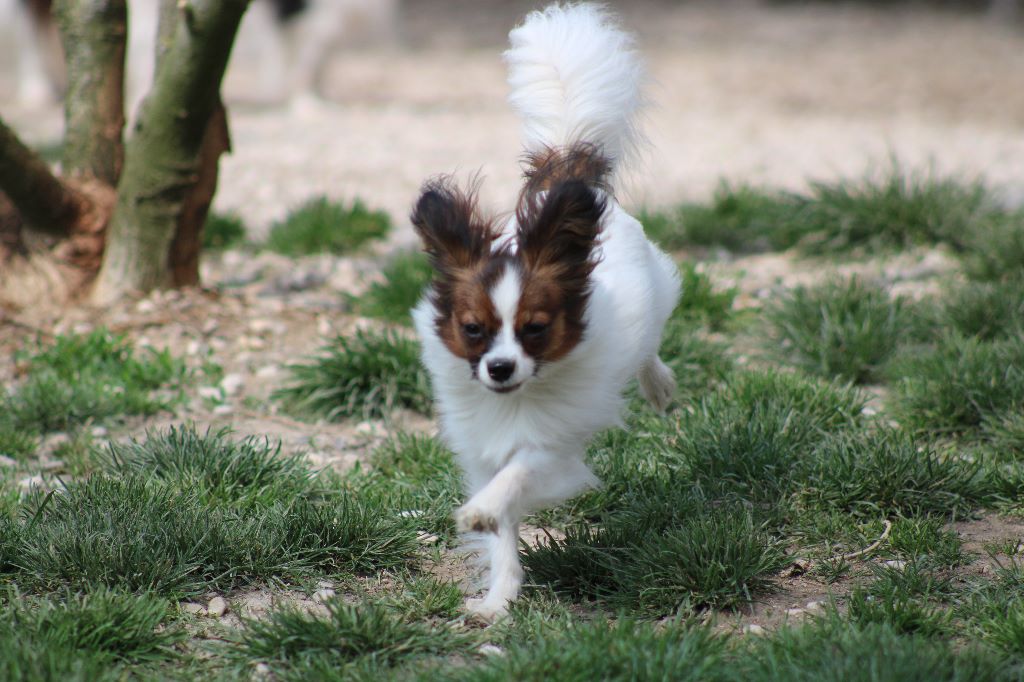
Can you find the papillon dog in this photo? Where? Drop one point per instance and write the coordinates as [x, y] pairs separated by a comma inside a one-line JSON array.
[[534, 326]]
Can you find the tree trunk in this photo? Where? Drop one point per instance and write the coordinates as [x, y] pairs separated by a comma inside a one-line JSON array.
[[46, 204], [94, 33], [188, 238], [162, 159]]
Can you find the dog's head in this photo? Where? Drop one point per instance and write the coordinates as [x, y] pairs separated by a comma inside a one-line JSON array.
[[508, 309]]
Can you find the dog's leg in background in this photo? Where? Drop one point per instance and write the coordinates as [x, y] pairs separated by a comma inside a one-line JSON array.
[[531, 479], [657, 383]]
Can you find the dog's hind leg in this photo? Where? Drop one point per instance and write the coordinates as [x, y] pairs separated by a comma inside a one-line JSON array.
[[657, 383]]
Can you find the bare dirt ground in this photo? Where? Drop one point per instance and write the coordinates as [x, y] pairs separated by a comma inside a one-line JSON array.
[[744, 92], [774, 94]]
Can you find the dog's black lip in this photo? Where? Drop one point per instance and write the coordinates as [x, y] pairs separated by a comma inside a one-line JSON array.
[[505, 389]]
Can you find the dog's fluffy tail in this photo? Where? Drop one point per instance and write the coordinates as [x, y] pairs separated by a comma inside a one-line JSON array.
[[575, 78]]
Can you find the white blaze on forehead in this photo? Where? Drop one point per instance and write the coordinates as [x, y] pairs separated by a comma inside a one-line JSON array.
[[505, 297]]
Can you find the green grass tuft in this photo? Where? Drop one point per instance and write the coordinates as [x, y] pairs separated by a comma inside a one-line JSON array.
[[100, 635], [16, 443], [662, 550], [405, 278], [223, 231], [752, 438], [994, 248], [896, 210], [742, 219], [79, 378], [324, 226], [848, 330], [364, 376], [883, 472], [625, 650], [983, 310], [191, 513], [700, 302], [959, 385], [349, 640], [994, 609], [219, 471], [832, 649], [416, 476]]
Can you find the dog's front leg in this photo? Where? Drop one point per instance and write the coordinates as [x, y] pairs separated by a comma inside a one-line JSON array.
[[531, 479]]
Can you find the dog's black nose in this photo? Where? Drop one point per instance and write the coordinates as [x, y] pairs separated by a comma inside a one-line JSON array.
[[501, 370]]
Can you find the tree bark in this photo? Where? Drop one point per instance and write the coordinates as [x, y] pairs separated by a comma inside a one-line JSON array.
[[188, 238], [46, 204], [162, 159], [94, 34]]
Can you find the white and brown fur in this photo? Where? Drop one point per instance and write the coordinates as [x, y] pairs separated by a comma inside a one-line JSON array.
[[535, 326]]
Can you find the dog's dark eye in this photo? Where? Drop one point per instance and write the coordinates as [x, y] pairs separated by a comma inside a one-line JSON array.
[[534, 329], [472, 330]]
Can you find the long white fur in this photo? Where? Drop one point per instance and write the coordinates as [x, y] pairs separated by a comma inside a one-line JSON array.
[[575, 78], [524, 450]]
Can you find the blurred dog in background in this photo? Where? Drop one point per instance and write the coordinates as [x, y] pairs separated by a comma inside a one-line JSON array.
[[286, 43]]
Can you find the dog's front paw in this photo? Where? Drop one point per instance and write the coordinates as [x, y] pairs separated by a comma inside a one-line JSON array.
[[471, 518], [487, 610]]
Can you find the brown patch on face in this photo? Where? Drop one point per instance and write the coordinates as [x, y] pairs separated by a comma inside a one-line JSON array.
[[458, 243], [547, 328], [470, 327], [559, 216]]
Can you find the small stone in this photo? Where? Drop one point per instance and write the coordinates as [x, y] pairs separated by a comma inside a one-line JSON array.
[[217, 607], [145, 306], [223, 410], [794, 612], [32, 483], [261, 671], [210, 326], [815, 606], [99, 432], [266, 327], [325, 584], [366, 428], [268, 371], [427, 538], [491, 650], [193, 608], [232, 384], [896, 564], [798, 567], [209, 393], [322, 595], [753, 629], [317, 460], [252, 342], [193, 347]]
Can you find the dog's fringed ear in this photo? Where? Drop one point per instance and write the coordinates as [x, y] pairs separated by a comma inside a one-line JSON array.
[[445, 219], [559, 230]]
